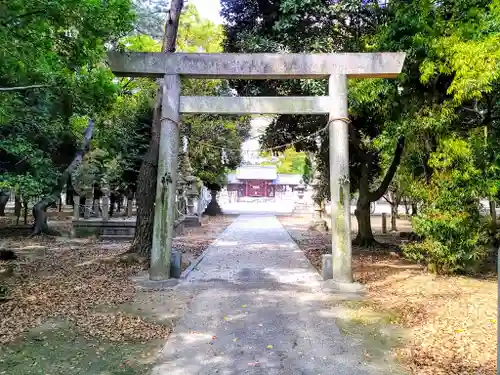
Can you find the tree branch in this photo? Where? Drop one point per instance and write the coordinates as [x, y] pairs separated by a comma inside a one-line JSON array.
[[125, 85], [39, 209], [22, 88], [32, 13], [377, 194]]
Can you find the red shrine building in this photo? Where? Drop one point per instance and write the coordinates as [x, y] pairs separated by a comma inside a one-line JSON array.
[[261, 181]]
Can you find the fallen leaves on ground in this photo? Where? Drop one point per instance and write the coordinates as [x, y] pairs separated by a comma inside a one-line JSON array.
[[69, 280], [451, 320], [73, 278]]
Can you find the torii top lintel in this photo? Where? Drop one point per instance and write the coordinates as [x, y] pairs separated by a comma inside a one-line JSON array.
[[256, 66]]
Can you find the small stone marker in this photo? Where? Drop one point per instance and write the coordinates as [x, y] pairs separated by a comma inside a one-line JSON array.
[[384, 223], [176, 264], [327, 266]]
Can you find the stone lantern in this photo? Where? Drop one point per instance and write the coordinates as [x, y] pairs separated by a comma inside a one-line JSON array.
[[105, 201], [191, 192], [300, 205], [300, 190], [318, 221]]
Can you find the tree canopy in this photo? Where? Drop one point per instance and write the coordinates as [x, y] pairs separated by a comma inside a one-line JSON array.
[[51, 80], [443, 107]]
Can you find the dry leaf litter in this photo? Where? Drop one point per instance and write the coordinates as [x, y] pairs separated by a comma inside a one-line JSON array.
[[451, 321]]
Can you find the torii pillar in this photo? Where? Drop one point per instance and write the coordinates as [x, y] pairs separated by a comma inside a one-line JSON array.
[[336, 67]]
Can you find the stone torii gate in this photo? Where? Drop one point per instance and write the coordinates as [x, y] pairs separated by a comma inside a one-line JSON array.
[[337, 68]]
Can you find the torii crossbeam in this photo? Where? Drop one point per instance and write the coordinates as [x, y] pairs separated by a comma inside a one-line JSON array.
[[336, 67]]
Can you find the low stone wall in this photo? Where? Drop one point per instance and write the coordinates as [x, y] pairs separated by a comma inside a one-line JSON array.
[[113, 229]]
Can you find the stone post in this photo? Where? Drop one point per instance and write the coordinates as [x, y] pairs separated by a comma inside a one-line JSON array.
[[88, 204], [318, 222], [165, 205], [192, 193], [130, 201], [76, 207], [300, 206], [181, 197], [105, 203], [339, 179]]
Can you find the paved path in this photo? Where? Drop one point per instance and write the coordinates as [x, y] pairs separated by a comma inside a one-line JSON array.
[[259, 309]]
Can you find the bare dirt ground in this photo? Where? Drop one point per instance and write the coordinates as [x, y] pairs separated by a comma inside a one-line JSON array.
[[63, 290], [448, 324]]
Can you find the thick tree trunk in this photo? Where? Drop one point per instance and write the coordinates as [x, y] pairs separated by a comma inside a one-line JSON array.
[[40, 209], [146, 184], [414, 210], [213, 208], [4, 198], [70, 193], [365, 234], [362, 212]]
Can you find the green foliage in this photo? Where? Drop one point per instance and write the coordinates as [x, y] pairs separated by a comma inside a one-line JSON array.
[[215, 146], [444, 98], [288, 162], [58, 44], [214, 141], [307, 171], [450, 221]]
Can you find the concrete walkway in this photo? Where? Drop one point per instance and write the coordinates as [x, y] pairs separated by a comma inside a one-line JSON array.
[[258, 308]]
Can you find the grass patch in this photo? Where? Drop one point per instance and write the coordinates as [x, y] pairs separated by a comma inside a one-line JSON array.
[[377, 332], [57, 348]]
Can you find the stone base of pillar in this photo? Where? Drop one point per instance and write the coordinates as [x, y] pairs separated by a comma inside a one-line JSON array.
[[351, 290], [320, 225], [192, 221], [176, 264], [327, 267]]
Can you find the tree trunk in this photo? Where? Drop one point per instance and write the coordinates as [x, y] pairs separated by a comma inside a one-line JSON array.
[[70, 193], [395, 201], [213, 208], [40, 209], [112, 202], [119, 201], [17, 208], [493, 214], [365, 234], [25, 216], [394, 216], [414, 209], [146, 183], [4, 198], [407, 208], [81, 204]]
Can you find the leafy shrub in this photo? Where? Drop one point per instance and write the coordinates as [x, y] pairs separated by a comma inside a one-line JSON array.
[[455, 242], [456, 236]]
